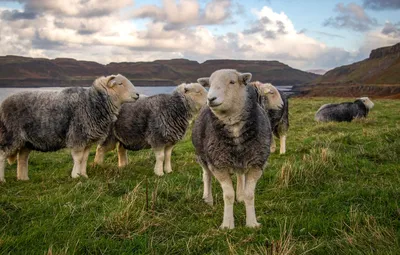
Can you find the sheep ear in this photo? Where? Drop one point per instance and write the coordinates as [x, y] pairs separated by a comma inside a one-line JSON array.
[[111, 81], [185, 90], [245, 78], [205, 81]]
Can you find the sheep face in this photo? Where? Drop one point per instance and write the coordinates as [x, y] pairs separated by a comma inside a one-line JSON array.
[[268, 91], [118, 87], [227, 87], [196, 93], [367, 102]]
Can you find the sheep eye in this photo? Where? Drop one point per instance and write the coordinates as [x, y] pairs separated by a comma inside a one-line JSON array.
[[231, 82], [120, 83]]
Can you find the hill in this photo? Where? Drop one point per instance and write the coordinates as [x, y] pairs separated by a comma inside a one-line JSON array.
[[24, 71], [377, 75]]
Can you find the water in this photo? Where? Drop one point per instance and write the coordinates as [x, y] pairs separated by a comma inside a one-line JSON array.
[[149, 91]]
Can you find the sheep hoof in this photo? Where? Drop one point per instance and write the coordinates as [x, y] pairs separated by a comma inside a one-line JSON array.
[[84, 175], [23, 178], [159, 173], [254, 224], [208, 201], [168, 171], [273, 149], [2, 180], [75, 175], [228, 225]]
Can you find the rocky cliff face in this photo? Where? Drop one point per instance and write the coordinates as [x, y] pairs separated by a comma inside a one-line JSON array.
[[385, 51], [22, 71]]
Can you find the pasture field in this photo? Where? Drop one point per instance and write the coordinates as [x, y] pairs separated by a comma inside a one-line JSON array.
[[336, 191]]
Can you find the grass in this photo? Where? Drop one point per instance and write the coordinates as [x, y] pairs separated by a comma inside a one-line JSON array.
[[336, 191]]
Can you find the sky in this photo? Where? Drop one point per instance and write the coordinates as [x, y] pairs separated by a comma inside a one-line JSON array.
[[305, 34]]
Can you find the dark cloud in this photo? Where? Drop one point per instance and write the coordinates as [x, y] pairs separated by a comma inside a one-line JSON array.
[[17, 15], [302, 31], [281, 27], [382, 4], [260, 27], [351, 17], [329, 34], [43, 43], [256, 28], [392, 30]]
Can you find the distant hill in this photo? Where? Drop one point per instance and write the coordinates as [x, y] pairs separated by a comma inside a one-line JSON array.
[[378, 75], [317, 71], [24, 71]]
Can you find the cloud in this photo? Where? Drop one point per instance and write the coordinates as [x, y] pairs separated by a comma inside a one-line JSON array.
[[382, 4], [17, 15], [391, 30], [351, 17], [186, 13]]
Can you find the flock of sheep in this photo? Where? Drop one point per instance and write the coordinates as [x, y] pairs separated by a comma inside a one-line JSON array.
[[233, 131]]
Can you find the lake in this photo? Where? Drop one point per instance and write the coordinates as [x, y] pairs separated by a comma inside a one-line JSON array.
[[148, 90]]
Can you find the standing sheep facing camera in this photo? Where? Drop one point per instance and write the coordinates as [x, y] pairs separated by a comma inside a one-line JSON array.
[[279, 118], [233, 135], [156, 122], [344, 111], [72, 118]]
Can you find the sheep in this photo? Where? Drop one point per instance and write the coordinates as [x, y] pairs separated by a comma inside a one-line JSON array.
[[232, 134], [279, 118], [156, 122], [344, 111], [72, 118]]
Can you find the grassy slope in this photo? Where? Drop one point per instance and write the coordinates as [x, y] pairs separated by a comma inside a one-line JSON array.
[[335, 191]]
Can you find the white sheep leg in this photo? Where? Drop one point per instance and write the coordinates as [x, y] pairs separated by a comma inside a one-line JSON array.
[[167, 159], [252, 177], [22, 165], [77, 156], [207, 191], [225, 180], [2, 166], [101, 151], [240, 185], [273, 144], [283, 144], [85, 157], [158, 168], [122, 156]]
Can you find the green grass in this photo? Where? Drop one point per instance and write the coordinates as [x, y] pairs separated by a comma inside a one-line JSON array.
[[336, 191]]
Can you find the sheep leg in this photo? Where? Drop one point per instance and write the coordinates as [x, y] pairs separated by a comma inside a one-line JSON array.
[[122, 156], [77, 156], [273, 144], [167, 159], [225, 180], [2, 166], [11, 159], [85, 157], [283, 144], [101, 150], [207, 191], [160, 155], [251, 178], [22, 167], [240, 187]]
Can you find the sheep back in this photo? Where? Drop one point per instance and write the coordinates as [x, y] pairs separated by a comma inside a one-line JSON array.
[[217, 146], [154, 121], [342, 112]]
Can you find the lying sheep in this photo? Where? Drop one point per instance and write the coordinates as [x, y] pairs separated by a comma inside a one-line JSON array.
[[344, 111], [156, 122], [72, 118], [279, 118], [233, 135]]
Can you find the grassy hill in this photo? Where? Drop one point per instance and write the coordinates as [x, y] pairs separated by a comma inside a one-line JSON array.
[[336, 191], [378, 75], [23, 71]]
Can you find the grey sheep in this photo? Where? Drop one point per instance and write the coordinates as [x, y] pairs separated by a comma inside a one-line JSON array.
[[156, 122], [232, 134], [344, 111], [279, 118], [72, 118]]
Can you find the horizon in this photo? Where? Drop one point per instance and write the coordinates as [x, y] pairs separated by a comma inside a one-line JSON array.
[[326, 35]]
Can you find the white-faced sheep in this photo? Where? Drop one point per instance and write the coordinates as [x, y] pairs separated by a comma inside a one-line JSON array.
[[344, 111], [72, 118], [279, 118], [232, 135], [156, 122]]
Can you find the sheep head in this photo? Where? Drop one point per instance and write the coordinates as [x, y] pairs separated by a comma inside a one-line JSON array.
[[119, 88], [367, 102]]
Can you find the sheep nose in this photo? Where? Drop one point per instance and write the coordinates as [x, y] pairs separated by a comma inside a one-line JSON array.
[[136, 96], [210, 100]]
